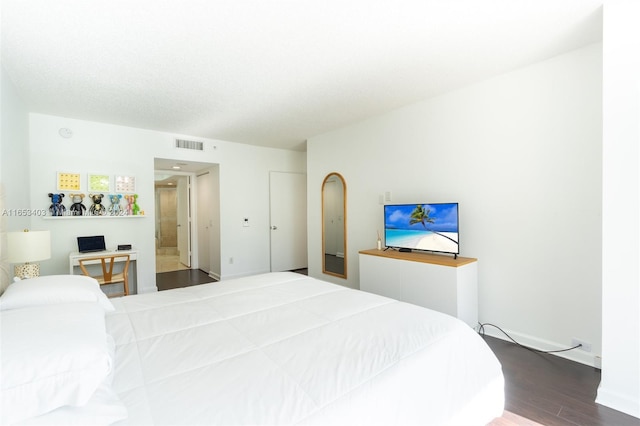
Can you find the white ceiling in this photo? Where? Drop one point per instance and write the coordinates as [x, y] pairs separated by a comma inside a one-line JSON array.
[[270, 73], [177, 166]]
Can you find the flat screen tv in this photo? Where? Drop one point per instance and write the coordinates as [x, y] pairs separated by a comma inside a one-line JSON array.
[[428, 227]]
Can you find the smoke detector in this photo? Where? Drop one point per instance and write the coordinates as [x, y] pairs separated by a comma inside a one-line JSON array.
[[65, 133]]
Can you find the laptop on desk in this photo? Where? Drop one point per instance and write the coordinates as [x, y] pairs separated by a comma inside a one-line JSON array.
[[91, 244]]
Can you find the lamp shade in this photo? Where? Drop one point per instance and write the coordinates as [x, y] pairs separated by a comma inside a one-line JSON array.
[[28, 246]]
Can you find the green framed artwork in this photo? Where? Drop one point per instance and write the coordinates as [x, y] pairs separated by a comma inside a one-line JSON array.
[[99, 183]]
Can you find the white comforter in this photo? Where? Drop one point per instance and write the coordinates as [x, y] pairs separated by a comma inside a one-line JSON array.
[[284, 348]]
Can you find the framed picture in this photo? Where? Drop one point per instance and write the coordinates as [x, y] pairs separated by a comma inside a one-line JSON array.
[[125, 184], [68, 181], [99, 183]]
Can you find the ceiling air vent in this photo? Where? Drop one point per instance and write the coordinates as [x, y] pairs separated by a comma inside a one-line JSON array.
[[185, 144]]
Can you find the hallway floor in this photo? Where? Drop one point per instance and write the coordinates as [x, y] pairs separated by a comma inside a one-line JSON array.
[[182, 278], [168, 262]]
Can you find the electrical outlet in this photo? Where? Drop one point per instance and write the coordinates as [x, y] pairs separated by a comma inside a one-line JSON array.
[[586, 346], [231, 260]]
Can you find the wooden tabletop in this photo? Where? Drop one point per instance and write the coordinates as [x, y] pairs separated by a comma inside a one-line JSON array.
[[418, 256]]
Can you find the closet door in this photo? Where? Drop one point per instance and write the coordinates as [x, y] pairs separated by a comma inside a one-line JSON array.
[[184, 219], [205, 223], [288, 220]]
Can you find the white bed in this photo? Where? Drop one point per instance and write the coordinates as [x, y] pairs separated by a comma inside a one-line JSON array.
[[283, 348]]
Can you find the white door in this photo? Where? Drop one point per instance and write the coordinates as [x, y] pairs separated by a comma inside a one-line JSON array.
[[184, 220], [288, 217], [205, 223]]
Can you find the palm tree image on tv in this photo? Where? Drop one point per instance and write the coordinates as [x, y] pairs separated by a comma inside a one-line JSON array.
[[432, 227], [420, 215]]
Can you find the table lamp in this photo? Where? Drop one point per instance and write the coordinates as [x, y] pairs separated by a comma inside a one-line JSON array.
[[28, 246]]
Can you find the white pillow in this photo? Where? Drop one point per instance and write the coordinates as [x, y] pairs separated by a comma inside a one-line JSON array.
[[52, 356], [52, 289]]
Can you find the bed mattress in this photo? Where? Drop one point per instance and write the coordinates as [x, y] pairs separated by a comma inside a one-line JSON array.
[[284, 348]]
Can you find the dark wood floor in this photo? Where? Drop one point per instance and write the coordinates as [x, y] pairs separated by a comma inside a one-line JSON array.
[[551, 390], [543, 388], [182, 278]]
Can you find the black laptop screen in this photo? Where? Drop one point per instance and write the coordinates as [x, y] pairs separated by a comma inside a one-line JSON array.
[[89, 244]]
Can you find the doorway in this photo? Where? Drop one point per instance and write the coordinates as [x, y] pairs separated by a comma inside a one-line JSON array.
[[173, 223], [195, 225]]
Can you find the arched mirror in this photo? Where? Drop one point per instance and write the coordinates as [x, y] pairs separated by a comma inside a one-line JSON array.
[[334, 225]]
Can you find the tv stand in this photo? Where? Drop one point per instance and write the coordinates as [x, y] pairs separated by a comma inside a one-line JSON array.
[[437, 282], [404, 250]]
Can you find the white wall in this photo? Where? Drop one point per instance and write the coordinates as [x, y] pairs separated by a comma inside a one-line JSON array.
[[14, 168], [521, 153], [109, 149], [620, 386]]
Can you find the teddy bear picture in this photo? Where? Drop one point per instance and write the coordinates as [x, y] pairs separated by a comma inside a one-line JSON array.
[[77, 208], [135, 208], [97, 209], [132, 204], [57, 208], [115, 209]]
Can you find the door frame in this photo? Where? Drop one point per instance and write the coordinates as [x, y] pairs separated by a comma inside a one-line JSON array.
[[165, 165], [192, 237]]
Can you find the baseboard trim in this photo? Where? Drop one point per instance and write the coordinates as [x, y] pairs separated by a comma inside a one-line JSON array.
[[617, 401], [214, 275], [244, 274], [576, 355]]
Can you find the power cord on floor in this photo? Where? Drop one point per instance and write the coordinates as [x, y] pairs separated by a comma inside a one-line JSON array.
[[481, 332]]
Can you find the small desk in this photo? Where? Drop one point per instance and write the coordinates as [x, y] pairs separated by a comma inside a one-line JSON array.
[[74, 265]]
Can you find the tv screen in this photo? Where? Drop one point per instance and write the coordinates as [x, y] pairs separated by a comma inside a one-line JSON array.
[[429, 227]]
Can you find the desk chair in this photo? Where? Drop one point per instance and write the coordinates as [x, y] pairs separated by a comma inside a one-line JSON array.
[[108, 277]]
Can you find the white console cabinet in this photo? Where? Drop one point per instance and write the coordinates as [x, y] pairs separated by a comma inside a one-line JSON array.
[[437, 282]]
